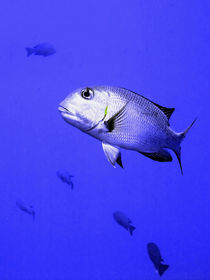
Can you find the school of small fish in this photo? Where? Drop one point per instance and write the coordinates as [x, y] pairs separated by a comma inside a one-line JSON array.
[[119, 118]]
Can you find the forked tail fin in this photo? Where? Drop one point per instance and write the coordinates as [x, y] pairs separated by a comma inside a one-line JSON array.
[[182, 135], [131, 229], [177, 150], [29, 51], [162, 268], [178, 155]]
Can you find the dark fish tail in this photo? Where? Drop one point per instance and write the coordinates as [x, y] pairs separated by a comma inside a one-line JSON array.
[[162, 268], [29, 51], [177, 149], [182, 135], [131, 229]]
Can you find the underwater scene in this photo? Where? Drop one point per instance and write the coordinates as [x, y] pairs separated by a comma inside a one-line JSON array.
[[105, 171]]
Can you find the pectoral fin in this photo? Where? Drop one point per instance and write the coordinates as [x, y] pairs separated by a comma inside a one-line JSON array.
[[112, 154], [117, 120], [162, 155]]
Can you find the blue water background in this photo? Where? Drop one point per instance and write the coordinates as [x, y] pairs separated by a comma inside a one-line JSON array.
[[157, 48]]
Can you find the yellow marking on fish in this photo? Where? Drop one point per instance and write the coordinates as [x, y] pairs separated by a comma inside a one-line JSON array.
[[105, 111]]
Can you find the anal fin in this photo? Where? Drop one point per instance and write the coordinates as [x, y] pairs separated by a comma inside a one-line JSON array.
[[112, 153], [162, 155]]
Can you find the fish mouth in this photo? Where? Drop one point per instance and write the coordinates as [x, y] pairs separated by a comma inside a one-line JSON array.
[[67, 115], [65, 112], [62, 109]]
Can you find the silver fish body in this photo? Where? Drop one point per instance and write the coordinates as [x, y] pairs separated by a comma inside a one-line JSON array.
[[121, 118]]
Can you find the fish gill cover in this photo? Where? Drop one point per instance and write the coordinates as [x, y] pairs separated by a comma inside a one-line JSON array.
[[55, 226]]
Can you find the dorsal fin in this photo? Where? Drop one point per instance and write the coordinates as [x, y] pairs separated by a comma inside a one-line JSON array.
[[167, 111]]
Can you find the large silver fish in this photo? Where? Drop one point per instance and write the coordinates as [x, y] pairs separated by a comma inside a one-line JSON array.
[[121, 118]]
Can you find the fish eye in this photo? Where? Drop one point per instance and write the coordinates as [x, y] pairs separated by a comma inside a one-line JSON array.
[[87, 93]]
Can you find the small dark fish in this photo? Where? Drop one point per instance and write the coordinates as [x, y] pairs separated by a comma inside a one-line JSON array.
[[29, 210], [124, 221], [44, 49], [65, 177], [155, 256]]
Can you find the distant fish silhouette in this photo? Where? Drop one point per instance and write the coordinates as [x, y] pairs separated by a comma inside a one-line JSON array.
[[29, 210], [155, 256], [44, 49], [65, 177], [124, 221]]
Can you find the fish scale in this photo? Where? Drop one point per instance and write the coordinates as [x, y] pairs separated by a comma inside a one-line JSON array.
[[132, 135]]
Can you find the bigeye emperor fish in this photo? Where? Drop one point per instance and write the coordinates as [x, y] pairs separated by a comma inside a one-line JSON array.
[[121, 118]]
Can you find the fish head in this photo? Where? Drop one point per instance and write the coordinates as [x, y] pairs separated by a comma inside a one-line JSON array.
[[84, 108]]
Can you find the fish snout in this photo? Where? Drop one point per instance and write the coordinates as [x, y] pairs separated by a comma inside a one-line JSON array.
[[67, 107], [67, 111], [62, 109], [68, 114]]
